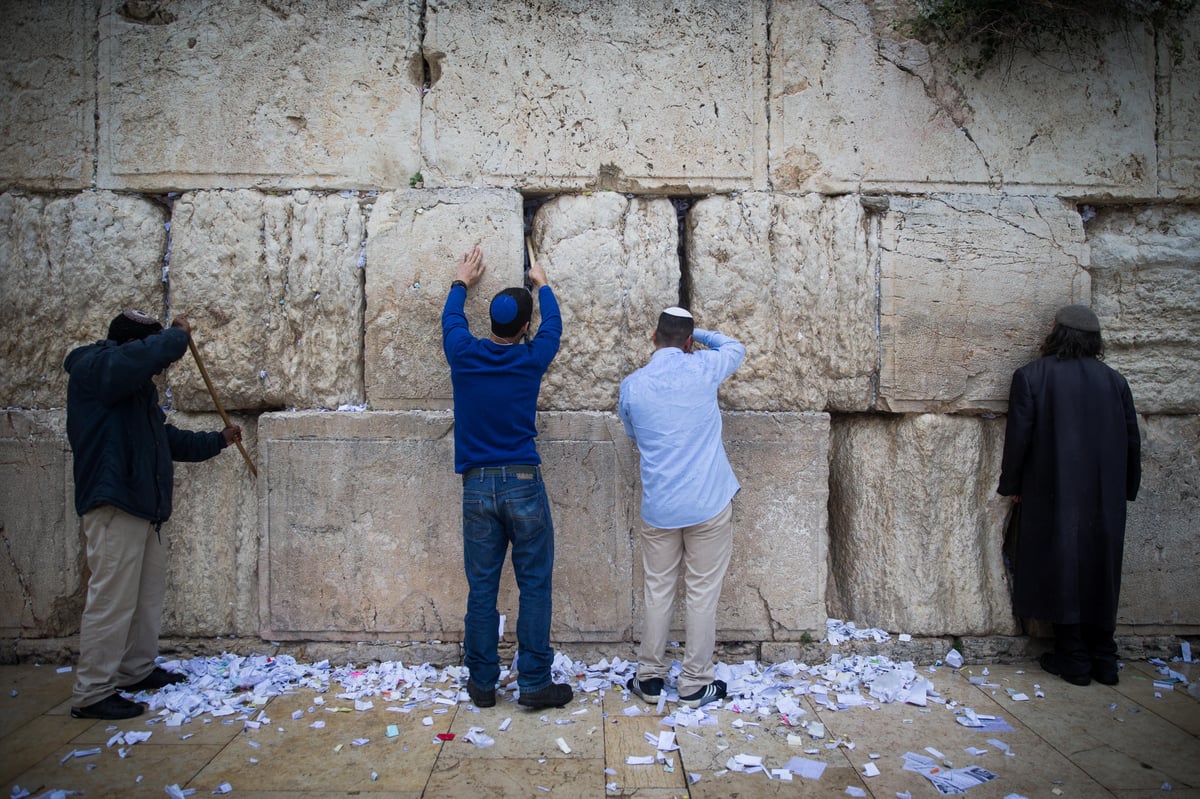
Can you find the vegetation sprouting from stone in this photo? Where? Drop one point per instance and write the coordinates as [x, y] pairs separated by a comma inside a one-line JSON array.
[[992, 31]]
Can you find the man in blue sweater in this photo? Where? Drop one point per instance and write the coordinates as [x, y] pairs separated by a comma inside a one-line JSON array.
[[496, 381], [123, 451]]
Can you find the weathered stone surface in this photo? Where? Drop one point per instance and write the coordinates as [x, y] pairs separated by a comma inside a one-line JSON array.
[[68, 265], [47, 69], [916, 526], [791, 278], [614, 266], [273, 287], [1162, 533], [968, 289], [212, 539], [855, 105], [596, 95], [415, 239], [1146, 289], [302, 95], [775, 586], [1179, 109], [362, 531], [41, 571]]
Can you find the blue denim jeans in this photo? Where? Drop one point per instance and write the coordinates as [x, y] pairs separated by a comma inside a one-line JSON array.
[[499, 510]]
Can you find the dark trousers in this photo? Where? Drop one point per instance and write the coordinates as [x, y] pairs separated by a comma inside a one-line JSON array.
[[1084, 648]]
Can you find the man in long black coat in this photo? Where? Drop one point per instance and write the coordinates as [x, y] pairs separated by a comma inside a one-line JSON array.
[[1072, 458]]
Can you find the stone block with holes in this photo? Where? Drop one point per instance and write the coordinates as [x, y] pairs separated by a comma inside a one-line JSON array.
[[322, 100]]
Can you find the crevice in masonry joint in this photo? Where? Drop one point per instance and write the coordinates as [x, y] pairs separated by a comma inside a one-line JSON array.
[[682, 206], [530, 203]]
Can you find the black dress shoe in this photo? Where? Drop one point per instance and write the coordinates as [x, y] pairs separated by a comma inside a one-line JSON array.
[[553, 695], [481, 697], [113, 708], [1049, 662], [155, 680]]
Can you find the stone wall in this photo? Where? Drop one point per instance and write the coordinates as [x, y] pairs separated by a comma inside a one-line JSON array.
[[888, 235]]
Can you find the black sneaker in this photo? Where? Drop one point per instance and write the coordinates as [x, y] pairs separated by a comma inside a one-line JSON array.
[[649, 690], [553, 695], [710, 693], [156, 679], [1050, 663], [481, 697], [110, 707]]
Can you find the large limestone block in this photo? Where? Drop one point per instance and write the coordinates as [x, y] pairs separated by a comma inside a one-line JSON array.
[[272, 285], [68, 265], [628, 97], [212, 539], [41, 573], [415, 240], [1146, 289], [775, 586], [792, 279], [1179, 109], [968, 289], [272, 95], [361, 527], [916, 526], [47, 69], [1162, 533], [614, 265], [855, 105]]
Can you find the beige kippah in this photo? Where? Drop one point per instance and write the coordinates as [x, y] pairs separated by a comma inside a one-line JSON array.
[[675, 310]]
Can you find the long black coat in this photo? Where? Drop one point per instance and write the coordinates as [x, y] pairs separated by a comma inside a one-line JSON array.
[[1073, 453]]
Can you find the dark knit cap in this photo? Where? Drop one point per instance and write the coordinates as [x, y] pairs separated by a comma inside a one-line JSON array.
[[1078, 317], [510, 310], [132, 325]]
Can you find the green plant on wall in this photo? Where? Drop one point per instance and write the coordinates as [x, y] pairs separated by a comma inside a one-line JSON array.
[[994, 30]]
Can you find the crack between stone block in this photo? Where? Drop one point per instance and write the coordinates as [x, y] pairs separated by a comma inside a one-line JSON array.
[[26, 598]]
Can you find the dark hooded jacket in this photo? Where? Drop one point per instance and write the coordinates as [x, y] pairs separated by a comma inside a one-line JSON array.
[[123, 448], [1072, 452]]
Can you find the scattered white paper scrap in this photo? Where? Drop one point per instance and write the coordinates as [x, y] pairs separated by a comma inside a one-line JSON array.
[[852, 790], [223, 788], [1186, 650], [805, 768], [639, 760], [504, 725], [562, 744], [1020, 697], [976, 751], [64, 670], [870, 769], [953, 659]]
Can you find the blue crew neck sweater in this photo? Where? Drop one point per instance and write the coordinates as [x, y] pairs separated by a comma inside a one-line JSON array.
[[496, 386]]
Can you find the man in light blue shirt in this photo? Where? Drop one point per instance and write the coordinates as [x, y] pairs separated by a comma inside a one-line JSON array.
[[669, 409]]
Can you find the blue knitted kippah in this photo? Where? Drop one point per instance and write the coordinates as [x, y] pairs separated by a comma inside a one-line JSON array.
[[504, 309]]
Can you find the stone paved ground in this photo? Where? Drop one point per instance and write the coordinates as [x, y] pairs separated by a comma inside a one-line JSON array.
[[1131, 740]]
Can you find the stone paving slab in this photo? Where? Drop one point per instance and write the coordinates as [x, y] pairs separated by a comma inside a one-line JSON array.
[[1072, 739]]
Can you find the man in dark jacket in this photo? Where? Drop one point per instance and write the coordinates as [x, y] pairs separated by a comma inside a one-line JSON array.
[[123, 451], [1072, 458]]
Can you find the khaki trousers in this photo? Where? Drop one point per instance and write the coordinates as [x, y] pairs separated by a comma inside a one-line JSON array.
[[118, 637], [702, 552]]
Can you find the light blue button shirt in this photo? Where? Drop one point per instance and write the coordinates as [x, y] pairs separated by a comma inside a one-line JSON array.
[[669, 409]]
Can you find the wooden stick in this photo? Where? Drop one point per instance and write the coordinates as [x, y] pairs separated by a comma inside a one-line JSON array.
[[216, 401], [532, 252]]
